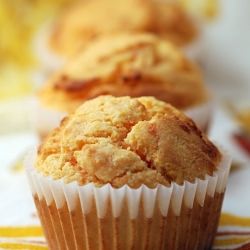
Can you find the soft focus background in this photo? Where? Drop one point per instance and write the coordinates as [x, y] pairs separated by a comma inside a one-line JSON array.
[[225, 60], [21, 21]]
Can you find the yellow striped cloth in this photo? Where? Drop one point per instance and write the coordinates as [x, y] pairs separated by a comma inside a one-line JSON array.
[[233, 233]]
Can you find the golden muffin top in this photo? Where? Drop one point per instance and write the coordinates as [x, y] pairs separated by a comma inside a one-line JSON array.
[[126, 65], [124, 140], [88, 20]]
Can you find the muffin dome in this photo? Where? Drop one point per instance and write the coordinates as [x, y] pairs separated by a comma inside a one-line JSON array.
[[127, 140], [88, 20], [127, 65]]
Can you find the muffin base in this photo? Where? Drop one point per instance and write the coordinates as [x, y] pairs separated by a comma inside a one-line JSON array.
[[192, 229]]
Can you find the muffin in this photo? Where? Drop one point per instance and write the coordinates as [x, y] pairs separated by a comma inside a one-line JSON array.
[[127, 64], [86, 21], [128, 173]]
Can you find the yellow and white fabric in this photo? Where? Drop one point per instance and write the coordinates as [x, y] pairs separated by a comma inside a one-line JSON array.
[[233, 233]]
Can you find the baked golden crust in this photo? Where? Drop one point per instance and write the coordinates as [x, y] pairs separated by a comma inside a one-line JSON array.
[[127, 65], [127, 140], [89, 20]]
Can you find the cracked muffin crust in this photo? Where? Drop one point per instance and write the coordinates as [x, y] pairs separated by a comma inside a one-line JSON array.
[[88, 20], [126, 65], [123, 140]]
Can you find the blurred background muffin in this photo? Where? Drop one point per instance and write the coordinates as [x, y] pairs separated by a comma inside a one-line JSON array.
[[128, 65], [21, 22], [88, 20]]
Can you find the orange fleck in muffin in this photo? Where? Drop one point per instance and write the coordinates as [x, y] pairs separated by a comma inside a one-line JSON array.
[[122, 165], [88, 20]]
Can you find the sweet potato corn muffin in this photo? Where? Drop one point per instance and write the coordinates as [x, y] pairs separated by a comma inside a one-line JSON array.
[[127, 140]]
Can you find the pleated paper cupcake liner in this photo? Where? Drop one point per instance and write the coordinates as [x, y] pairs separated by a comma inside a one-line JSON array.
[[49, 60], [45, 119], [202, 115], [194, 50], [89, 217]]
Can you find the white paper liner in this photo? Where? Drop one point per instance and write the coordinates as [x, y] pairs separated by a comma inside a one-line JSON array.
[[45, 119], [201, 114], [49, 60], [164, 197], [194, 50]]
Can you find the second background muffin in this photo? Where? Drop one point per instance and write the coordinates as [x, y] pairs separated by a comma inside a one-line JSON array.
[[125, 65]]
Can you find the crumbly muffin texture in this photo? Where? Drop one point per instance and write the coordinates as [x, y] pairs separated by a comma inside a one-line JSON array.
[[88, 20], [126, 65], [126, 140]]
